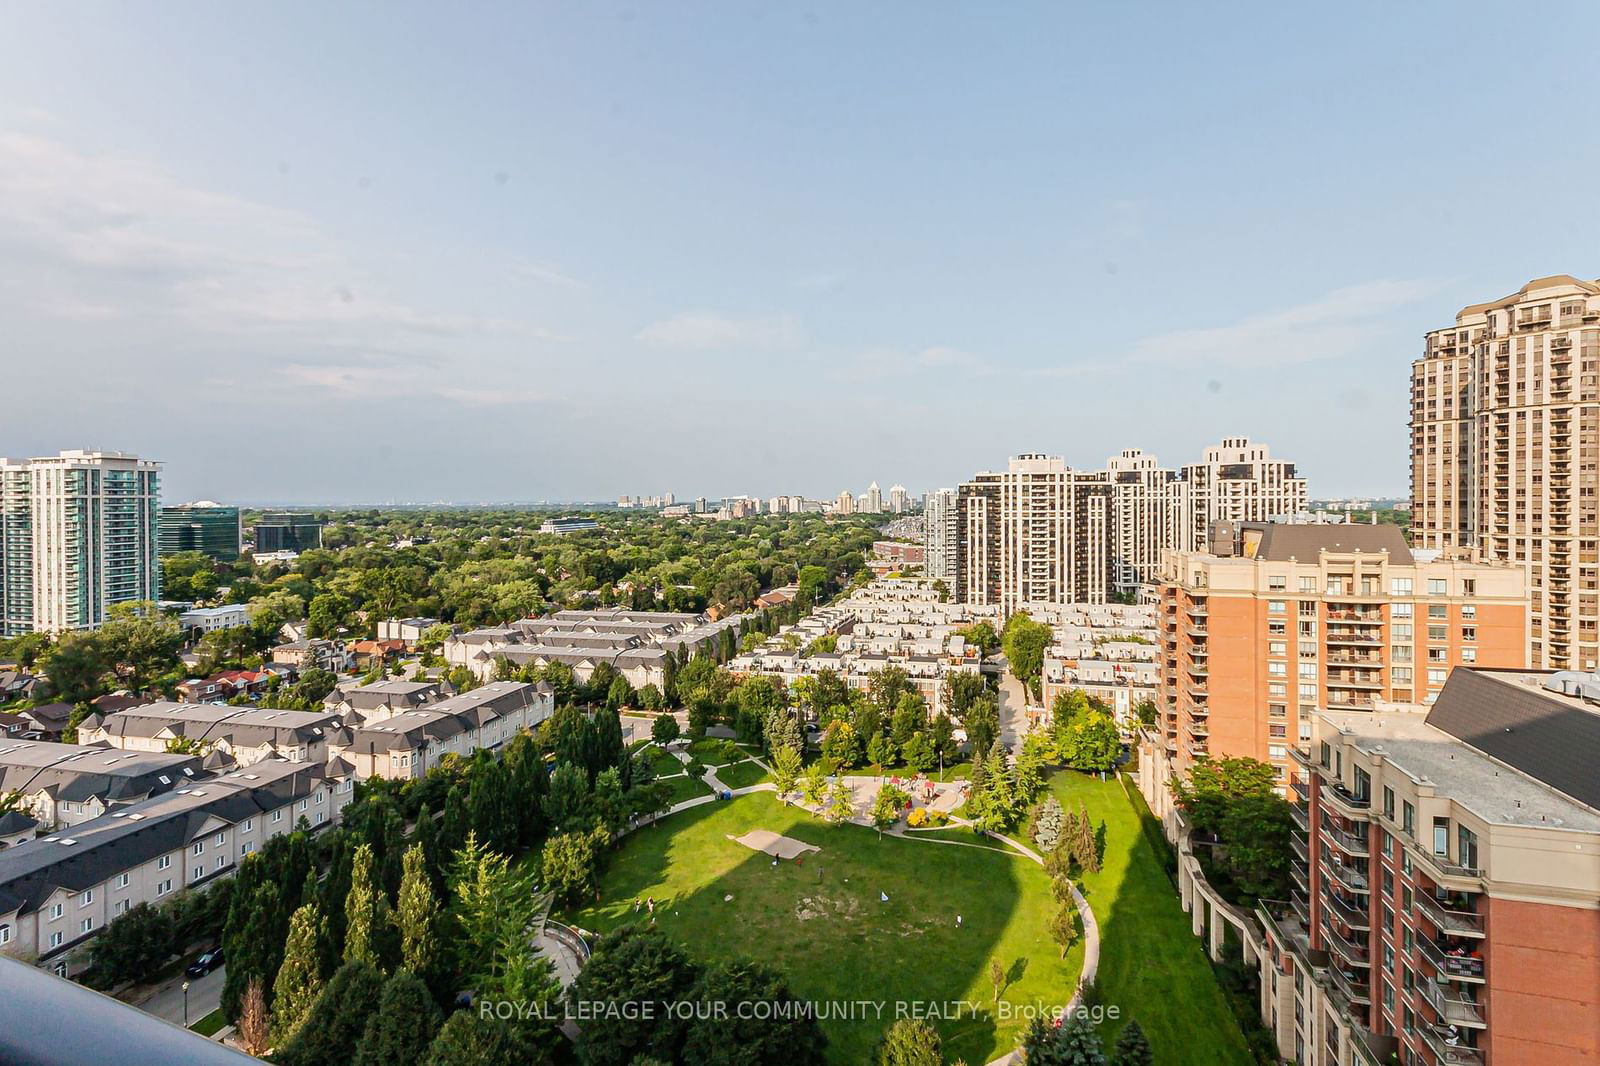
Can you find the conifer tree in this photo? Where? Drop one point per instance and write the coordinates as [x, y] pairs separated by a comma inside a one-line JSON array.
[[299, 979], [403, 1028], [416, 916], [365, 909]]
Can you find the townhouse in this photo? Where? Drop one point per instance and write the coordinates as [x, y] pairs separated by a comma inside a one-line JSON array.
[[58, 891], [401, 742], [246, 734], [64, 784]]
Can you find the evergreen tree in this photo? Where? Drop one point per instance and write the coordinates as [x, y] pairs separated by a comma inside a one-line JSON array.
[[332, 1030], [526, 771], [299, 979], [1132, 1049], [761, 1027], [1047, 829], [455, 825], [416, 916], [365, 910], [911, 1042], [404, 1027], [331, 899], [255, 950], [433, 858], [470, 1039], [489, 806]]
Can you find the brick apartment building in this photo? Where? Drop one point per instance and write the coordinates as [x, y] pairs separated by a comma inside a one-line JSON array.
[[1281, 621], [1446, 872]]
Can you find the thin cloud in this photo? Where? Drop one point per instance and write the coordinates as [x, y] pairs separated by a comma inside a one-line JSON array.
[[712, 331], [884, 364], [1340, 324]]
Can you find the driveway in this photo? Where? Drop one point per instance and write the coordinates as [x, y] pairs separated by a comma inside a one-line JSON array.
[[205, 994]]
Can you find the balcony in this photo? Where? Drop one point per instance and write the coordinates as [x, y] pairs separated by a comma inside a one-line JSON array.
[[1353, 637], [1301, 789], [1446, 920], [1354, 954], [1352, 844], [1349, 912], [1301, 907], [1351, 985], [1347, 803], [1451, 1006], [1301, 873], [1301, 756], [1353, 878], [1444, 1052], [1452, 962], [1302, 819], [1446, 874], [1298, 845]]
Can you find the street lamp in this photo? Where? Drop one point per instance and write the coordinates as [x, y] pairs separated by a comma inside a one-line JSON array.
[[186, 1004]]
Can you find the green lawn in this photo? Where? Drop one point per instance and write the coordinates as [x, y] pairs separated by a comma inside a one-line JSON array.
[[666, 764], [685, 787], [715, 752], [209, 1025], [743, 774], [1151, 965], [822, 923]]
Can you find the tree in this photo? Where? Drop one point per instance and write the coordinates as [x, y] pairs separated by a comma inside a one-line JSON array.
[[493, 914], [881, 752], [416, 915], [785, 770], [980, 635], [664, 730], [646, 970], [365, 911], [841, 744], [1213, 784], [1132, 1048], [140, 643], [764, 1024], [1093, 742], [1073, 1043], [568, 863], [403, 1027], [77, 667], [1025, 642], [469, 1038], [1256, 831], [332, 1030], [299, 979], [255, 1023], [982, 724], [814, 783], [885, 811], [1030, 766], [911, 1042], [918, 752], [253, 936], [1063, 926], [997, 978], [1047, 827], [840, 802]]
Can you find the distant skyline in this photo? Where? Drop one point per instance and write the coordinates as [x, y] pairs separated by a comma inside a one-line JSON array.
[[307, 254]]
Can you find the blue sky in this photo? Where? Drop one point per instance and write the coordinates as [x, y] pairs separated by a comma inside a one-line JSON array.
[[362, 252]]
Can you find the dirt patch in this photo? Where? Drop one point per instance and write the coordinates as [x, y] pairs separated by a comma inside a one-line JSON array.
[[769, 843]]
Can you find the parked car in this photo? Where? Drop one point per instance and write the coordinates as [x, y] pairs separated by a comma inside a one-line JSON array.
[[205, 963]]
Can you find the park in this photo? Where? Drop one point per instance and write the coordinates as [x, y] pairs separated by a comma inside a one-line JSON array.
[[822, 920]]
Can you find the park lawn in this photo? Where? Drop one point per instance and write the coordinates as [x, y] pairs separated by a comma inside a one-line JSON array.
[[666, 764], [711, 751], [685, 787], [957, 772], [209, 1025], [1151, 964], [743, 774], [821, 922]]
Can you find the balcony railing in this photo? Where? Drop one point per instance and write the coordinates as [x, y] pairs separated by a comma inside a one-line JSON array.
[[1301, 818], [1455, 967], [1301, 789], [1297, 843], [1346, 802], [1350, 843], [1446, 920], [1352, 986], [1351, 877], [1446, 1053], [1451, 1006], [1448, 874], [1302, 907], [1352, 914], [1353, 953]]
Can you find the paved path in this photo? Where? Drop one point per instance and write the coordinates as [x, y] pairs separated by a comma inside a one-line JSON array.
[[166, 1002]]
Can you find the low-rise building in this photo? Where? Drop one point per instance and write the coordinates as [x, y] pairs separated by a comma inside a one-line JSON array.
[[60, 890], [309, 653], [247, 734], [409, 630], [64, 784], [406, 744], [208, 619]]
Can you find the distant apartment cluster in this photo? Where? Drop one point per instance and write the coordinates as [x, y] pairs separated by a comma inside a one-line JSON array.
[[1040, 531], [1108, 651], [873, 501], [635, 643], [899, 622]]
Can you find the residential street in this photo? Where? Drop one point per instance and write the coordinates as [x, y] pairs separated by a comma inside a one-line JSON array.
[[205, 993]]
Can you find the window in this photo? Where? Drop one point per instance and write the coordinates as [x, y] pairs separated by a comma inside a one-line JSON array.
[[1388, 923], [1436, 677], [247, 847], [249, 824], [164, 887], [122, 880], [1276, 582], [1388, 804], [199, 847], [5, 934], [1408, 817], [164, 862], [86, 925], [222, 839], [1401, 632], [1308, 670], [122, 906], [1441, 837], [1308, 692], [55, 941], [1277, 669], [1400, 586], [302, 805], [1469, 633], [1308, 585], [1277, 647], [1438, 586], [86, 898], [1438, 633], [1405, 899], [277, 815], [1276, 606], [56, 910], [1399, 610], [1469, 611], [1438, 610], [1402, 675], [1469, 655], [222, 860], [1466, 847], [321, 796]]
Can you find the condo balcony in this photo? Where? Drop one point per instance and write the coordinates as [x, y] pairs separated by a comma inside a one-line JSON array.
[[1302, 907], [1344, 801], [1451, 1006], [1301, 789], [1349, 912], [1439, 1040], [1300, 871], [1300, 755], [1352, 954], [1459, 920], [1356, 679], [1353, 637], [1351, 985], [1301, 818], [1353, 878], [1352, 844], [1298, 845], [1454, 961], [1449, 875]]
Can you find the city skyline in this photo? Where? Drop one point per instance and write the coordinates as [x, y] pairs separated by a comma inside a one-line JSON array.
[[795, 218]]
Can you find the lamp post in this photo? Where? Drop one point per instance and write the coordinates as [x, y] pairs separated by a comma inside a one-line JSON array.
[[186, 1004]]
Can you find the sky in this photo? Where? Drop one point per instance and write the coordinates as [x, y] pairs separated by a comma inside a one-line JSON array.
[[374, 252]]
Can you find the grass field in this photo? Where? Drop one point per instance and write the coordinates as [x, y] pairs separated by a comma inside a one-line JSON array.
[[823, 925], [209, 1025], [665, 763], [743, 774], [715, 752], [685, 787], [1151, 965]]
